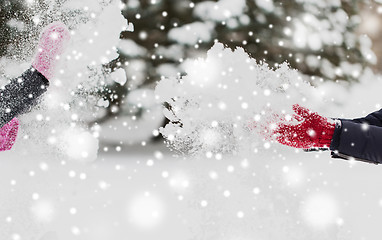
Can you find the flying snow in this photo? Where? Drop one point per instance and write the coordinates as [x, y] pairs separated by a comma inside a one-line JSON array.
[[225, 99], [71, 99]]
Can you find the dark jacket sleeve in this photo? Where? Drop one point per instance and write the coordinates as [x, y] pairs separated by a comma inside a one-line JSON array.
[[21, 94], [374, 118], [359, 139]]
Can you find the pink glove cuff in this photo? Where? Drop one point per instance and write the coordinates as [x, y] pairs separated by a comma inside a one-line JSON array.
[[8, 134]]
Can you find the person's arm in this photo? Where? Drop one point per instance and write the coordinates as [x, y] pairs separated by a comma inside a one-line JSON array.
[[358, 141], [21, 94], [346, 138], [359, 138], [374, 118]]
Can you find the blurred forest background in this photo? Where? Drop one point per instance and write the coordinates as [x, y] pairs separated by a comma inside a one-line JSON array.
[[329, 40]]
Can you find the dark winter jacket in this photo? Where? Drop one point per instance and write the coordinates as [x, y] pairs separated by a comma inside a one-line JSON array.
[[359, 139], [21, 94]]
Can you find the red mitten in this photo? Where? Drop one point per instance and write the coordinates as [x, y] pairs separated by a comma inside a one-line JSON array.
[[8, 134], [312, 131]]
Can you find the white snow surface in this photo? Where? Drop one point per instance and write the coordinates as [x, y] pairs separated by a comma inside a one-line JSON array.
[[145, 193], [119, 76], [235, 186], [191, 33], [130, 48], [219, 11], [267, 5]]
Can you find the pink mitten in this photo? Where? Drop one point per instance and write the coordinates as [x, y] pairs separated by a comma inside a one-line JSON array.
[[8, 134], [52, 44]]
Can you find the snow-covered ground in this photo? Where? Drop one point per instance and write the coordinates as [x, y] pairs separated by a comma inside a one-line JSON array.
[[146, 193]]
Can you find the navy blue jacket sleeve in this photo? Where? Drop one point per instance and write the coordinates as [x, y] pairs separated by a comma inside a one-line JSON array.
[[21, 94], [374, 118], [359, 139]]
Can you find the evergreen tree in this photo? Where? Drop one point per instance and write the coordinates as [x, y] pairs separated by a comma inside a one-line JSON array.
[[316, 37], [9, 10]]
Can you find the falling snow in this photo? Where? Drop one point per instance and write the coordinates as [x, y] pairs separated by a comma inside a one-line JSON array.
[[216, 176]]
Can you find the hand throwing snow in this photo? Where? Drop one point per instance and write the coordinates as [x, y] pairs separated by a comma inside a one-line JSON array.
[[52, 44], [352, 139], [22, 93], [312, 130]]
